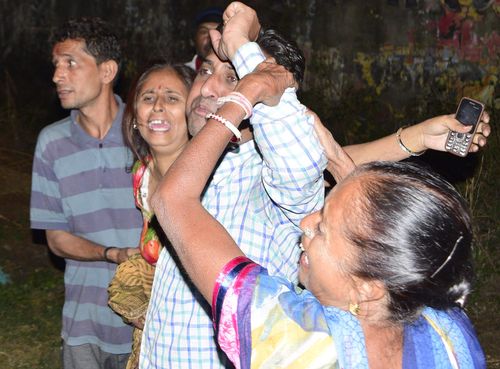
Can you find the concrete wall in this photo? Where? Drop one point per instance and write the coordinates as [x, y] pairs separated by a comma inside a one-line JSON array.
[[394, 59]]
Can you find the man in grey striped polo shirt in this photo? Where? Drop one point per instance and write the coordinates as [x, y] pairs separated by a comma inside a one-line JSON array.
[[82, 193]]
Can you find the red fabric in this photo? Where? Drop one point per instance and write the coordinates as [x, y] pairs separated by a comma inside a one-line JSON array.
[[197, 63]]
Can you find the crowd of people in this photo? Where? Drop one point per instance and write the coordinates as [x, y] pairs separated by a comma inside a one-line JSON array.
[[195, 228]]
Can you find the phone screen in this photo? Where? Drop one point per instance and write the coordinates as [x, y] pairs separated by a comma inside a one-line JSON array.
[[468, 112]]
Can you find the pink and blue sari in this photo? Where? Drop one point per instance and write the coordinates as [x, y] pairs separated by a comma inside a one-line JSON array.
[[265, 322]]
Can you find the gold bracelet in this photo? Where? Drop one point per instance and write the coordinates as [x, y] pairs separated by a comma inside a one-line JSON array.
[[402, 145]]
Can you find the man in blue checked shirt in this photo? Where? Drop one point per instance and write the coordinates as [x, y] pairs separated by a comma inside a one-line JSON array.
[[259, 191]]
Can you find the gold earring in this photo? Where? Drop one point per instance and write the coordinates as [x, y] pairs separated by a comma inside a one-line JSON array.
[[354, 308]]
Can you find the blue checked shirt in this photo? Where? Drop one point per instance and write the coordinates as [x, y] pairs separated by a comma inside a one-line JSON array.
[[260, 197]]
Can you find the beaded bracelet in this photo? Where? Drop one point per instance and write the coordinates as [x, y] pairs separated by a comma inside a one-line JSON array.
[[237, 98], [229, 125], [402, 145]]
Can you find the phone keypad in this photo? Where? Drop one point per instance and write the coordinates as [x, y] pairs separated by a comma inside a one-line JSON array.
[[458, 143]]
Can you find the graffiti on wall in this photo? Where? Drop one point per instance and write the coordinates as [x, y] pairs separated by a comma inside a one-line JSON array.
[[451, 51], [456, 31]]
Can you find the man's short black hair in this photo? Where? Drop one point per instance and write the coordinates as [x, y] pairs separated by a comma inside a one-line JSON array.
[[100, 42], [286, 53]]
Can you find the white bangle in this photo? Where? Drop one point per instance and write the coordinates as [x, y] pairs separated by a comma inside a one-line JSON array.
[[237, 98], [403, 147], [229, 125]]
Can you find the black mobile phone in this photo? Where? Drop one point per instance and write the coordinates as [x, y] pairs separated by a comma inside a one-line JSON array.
[[469, 113]]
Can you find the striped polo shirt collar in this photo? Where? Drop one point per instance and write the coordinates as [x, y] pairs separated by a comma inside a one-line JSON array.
[[114, 135]]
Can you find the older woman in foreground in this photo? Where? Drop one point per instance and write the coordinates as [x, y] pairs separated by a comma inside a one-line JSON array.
[[386, 264]]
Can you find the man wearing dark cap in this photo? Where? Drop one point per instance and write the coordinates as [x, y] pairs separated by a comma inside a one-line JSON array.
[[205, 21]]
